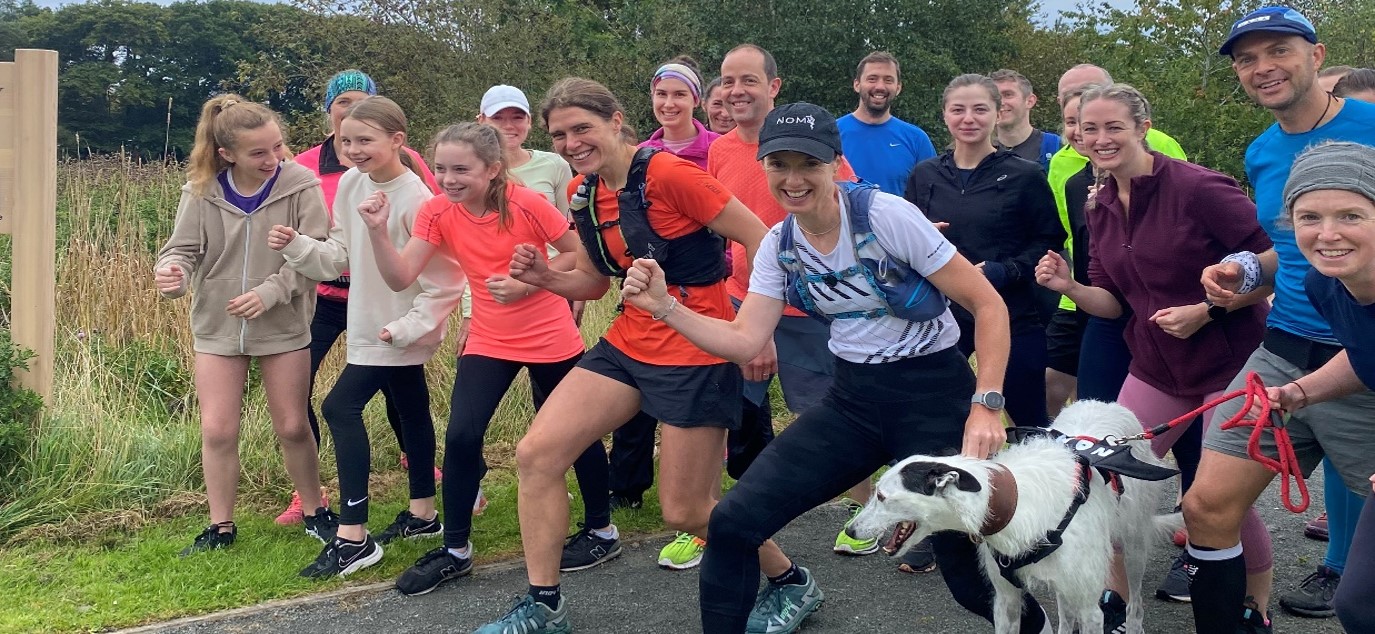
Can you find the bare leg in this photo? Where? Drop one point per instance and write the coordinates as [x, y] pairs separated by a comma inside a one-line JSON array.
[[584, 407], [1060, 389], [286, 379], [219, 388], [689, 468]]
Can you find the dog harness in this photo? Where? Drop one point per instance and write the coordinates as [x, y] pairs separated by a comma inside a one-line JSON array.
[[1109, 457]]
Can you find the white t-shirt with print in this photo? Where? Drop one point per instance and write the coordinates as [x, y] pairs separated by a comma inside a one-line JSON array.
[[905, 233]]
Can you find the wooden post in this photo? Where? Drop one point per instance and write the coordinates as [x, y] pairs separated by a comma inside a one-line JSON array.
[[28, 204]]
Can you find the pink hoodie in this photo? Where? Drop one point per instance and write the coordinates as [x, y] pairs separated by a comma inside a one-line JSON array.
[[696, 152]]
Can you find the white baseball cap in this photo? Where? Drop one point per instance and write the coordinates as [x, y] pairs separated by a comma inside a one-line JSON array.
[[501, 97]]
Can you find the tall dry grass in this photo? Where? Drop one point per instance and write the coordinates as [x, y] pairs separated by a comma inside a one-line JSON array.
[[120, 441]]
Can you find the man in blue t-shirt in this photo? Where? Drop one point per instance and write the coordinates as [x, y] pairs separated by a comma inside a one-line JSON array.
[[1276, 55], [880, 147]]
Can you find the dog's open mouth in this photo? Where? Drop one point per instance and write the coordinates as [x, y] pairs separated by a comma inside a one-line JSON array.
[[901, 533]]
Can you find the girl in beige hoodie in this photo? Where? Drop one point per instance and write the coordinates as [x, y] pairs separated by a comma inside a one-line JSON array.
[[246, 303], [390, 334]]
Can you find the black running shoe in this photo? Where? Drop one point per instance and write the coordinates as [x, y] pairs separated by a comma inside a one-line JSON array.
[[211, 539], [584, 549], [323, 525], [1114, 612], [919, 558], [408, 526], [432, 569], [341, 558]]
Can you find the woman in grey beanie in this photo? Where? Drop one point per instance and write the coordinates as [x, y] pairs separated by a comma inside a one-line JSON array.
[[1330, 199]]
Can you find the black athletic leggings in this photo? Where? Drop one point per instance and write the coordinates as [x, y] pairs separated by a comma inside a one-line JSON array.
[[1355, 600], [479, 385], [330, 321], [872, 414], [343, 411]]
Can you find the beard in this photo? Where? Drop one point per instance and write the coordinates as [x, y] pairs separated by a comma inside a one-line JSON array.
[[876, 109]]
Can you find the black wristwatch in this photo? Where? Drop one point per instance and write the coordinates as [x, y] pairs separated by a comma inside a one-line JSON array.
[[1215, 312], [991, 399]]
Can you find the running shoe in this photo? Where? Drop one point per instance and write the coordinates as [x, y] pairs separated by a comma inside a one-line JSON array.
[[780, 609], [322, 525], [479, 503], [685, 551], [1114, 613], [341, 558], [293, 513], [211, 539], [1175, 587], [408, 526], [529, 616], [847, 545], [921, 557], [1313, 597], [1316, 528], [432, 569], [586, 549]]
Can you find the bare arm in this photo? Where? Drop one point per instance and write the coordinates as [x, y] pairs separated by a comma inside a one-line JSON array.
[[1053, 272], [582, 282], [967, 286], [739, 340]]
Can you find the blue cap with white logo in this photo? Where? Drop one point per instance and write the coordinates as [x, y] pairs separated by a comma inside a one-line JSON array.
[[1272, 19]]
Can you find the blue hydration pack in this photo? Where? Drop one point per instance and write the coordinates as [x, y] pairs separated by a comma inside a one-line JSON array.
[[906, 294]]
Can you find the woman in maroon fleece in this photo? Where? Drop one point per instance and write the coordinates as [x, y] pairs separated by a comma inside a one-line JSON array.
[[1156, 222]]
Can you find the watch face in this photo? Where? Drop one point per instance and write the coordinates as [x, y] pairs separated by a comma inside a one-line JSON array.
[[1216, 312], [994, 400]]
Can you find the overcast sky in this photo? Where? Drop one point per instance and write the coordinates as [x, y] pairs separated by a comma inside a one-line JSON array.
[[1050, 7]]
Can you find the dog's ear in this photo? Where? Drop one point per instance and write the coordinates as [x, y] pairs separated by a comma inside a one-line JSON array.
[[928, 478]]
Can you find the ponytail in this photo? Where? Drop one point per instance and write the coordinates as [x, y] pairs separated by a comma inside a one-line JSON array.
[[485, 141], [222, 119]]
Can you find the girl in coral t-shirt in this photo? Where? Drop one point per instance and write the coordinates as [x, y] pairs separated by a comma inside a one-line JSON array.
[[480, 218]]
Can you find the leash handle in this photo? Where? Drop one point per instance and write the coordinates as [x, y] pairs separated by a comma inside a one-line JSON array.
[[1286, 466]]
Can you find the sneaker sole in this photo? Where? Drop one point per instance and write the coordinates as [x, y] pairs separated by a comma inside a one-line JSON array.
[[360, 564], [1307, 613], [846, 549], [432, 588], [1165, 596], [802, 617], [609, 556], [687, 565]]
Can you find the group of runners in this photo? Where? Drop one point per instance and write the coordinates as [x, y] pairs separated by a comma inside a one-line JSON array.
[[846, 257]]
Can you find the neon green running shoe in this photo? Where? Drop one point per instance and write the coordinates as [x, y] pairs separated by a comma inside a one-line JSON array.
[[685, 551], [847, 545]]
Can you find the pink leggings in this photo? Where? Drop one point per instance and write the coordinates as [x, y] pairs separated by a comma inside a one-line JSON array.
[[1154, 407]]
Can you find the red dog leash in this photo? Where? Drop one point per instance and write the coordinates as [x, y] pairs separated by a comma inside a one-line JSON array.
[[1287, 467]]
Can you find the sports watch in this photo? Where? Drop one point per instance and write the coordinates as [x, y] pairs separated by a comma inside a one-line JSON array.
[[991, 399], [1215, 312]]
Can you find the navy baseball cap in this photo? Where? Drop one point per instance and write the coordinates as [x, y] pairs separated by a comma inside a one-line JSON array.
[[800, 127], [1272, 19]]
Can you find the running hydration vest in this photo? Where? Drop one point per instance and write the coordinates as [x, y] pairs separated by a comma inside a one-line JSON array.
[[696, 259], [905, 293]]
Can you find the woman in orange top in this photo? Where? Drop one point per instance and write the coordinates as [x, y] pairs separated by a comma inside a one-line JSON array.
[[641, 363]]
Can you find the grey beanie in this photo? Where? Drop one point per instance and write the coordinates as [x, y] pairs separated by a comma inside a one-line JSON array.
[[1336, 165]]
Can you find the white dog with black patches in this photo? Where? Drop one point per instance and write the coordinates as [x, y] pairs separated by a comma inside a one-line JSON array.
[[1014, 502]]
